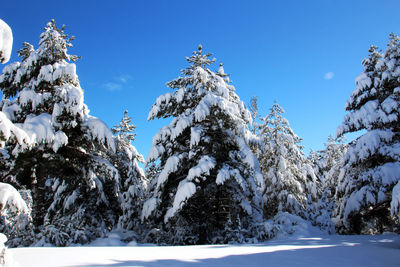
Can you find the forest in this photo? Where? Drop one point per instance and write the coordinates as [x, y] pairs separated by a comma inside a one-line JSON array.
[[220, 172]]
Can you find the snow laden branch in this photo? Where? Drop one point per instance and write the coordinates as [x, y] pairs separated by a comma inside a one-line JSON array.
[[6, 40]]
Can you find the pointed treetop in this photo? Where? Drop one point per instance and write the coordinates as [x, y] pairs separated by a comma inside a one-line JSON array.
[[370, 62], [54, 43], [221, 70], [254, 107], [393, 47], [200, 60], [276, 108], [125, 129], [393, 39], [221, 73]]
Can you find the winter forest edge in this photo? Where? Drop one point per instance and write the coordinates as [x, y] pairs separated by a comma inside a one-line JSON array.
[[219, 172]]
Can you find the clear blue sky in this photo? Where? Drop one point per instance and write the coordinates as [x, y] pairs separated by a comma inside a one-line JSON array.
[[304, 54]]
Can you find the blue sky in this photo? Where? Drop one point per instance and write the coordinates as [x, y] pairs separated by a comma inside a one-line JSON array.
[[303, 54]]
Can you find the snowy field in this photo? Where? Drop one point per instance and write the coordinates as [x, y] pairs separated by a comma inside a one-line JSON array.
[[333, 250]]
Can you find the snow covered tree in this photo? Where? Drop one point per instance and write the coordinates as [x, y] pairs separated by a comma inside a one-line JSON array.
[[74, 188], [366, 196], [132, 176], [327, 167], [254, 114], [7, 128], [207, 190], [328, 164], [15, 211], [289, 180], [255, 144]]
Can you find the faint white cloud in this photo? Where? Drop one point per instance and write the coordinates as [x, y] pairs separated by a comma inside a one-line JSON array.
[[111, 86], [329, 75], [123, 78], [117, 82]]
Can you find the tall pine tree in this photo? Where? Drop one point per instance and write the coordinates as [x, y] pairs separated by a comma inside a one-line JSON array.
[[207, 190], [328, 165], [366, 190], [132, 176], [290, 182], [74, 188]]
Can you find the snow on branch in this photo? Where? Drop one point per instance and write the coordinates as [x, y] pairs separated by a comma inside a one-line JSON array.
[[185, 191], [11, 200], [395, 203], [40, 130], [6, 40], [206, 163], [100, 131], [9, 130]]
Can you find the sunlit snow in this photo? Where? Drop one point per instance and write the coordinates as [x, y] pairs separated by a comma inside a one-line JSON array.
[[301, 250]]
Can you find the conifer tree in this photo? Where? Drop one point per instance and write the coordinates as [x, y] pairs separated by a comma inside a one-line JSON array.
[[254, 114], [366, 196], [328, 165], [207, 189], [132, 176], [74, 188], [289, 179]]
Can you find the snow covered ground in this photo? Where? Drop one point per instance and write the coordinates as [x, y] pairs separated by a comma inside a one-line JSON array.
[[326, 250]]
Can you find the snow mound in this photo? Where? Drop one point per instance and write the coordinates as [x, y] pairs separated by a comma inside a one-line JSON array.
[[285, 224]]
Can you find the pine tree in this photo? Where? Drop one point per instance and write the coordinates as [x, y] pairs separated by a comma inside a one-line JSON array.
[[328, 167], [74, 188], [207, 188], [254, 114], [132, 176], [290, 182], [366, 189]]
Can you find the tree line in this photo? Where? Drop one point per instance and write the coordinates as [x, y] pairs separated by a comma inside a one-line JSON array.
[[219, 172]]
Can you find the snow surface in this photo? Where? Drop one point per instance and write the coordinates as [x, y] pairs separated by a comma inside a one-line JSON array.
[[6, 260], [6, 40], [296, 250]]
